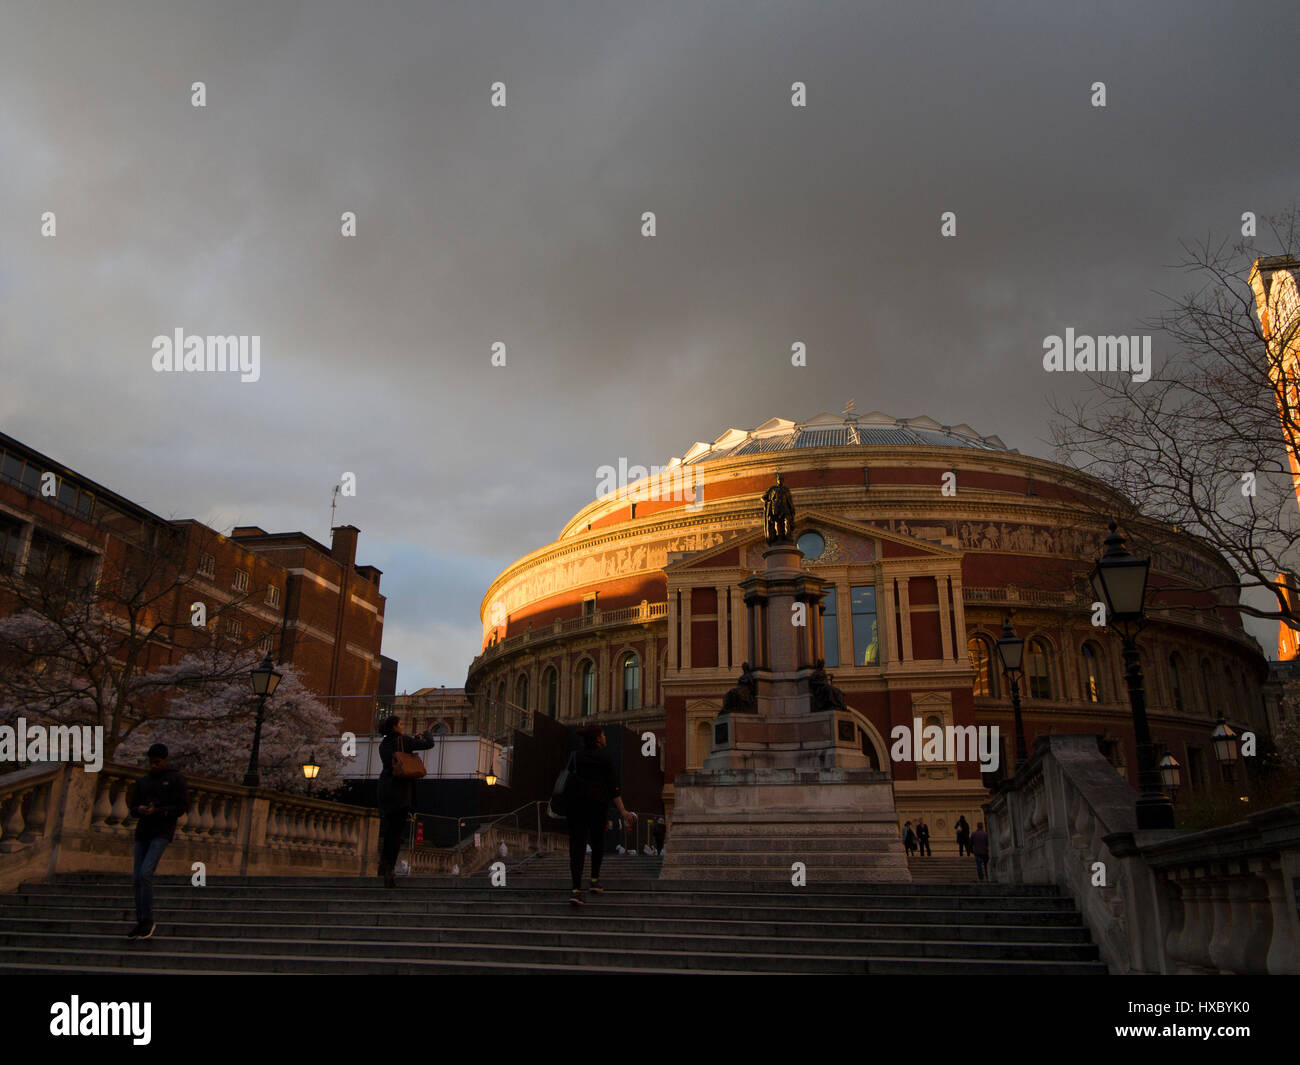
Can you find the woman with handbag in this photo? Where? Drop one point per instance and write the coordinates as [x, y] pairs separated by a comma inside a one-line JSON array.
[[396, 790], [587, 795]]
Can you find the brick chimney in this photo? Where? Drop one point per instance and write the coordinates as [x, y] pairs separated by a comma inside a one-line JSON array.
[[343, 544]]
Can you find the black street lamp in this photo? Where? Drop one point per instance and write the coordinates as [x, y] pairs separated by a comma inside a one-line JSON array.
[[311, 769], [1011, 654], [1120, 582], [265, 681], [1225, 743]]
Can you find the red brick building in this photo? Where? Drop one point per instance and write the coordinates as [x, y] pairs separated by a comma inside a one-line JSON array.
[[285, 593]]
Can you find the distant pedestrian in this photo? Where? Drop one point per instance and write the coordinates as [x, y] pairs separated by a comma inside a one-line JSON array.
[[158, 800], [979, 845], [963, 836], [659, 833], [588, 797], [396, 794], [923, 837], [909, 838]]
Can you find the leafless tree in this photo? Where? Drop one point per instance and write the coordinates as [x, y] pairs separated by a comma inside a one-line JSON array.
[[1201, 447]]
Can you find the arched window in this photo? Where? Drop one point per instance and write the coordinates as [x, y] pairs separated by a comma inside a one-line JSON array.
[[1038, 669], [501, 692], [1176, 680], [1094, 687], [521, 691], [1207, 687], [984, 663], [551, 688], [588, 689], [631, 682]]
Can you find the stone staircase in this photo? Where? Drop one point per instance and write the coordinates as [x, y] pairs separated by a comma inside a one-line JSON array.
[[942, 870], [336, 926]]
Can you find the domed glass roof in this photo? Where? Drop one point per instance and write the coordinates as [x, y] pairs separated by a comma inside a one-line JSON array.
[[841, 430]]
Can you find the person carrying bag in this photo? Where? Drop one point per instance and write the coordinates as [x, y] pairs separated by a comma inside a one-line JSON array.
[[396, 791]]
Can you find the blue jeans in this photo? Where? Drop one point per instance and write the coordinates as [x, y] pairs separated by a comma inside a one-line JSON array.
[[147, 856], [981, 867]]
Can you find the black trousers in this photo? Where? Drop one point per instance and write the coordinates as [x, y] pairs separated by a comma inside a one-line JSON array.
[[392, 826], [586, 825], [924, 843]]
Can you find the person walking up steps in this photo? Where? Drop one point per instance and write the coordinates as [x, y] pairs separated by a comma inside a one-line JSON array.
[[979, 845], [593, 788], [963, 836], [923, 837]]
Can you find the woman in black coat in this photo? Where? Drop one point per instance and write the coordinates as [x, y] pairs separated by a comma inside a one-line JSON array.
[[593, 789], [396, 796]]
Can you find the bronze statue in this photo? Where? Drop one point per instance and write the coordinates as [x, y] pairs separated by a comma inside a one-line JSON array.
[[778, 512], [743, 698], [825, 696]]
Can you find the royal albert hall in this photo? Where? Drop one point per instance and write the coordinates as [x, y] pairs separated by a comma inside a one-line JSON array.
[[927, 537]]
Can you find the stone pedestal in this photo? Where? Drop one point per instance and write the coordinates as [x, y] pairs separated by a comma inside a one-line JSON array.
[[785, 783], [754, 824]]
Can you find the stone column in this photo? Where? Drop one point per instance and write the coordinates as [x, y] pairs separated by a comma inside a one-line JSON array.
[[905, 609], [945, 614]]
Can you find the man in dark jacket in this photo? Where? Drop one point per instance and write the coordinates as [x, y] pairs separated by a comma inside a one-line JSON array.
[[979, 845], [396, 794], [158, 800], [923, 837]]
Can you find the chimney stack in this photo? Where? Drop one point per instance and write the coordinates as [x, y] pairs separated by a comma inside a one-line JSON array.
[[343, 544]]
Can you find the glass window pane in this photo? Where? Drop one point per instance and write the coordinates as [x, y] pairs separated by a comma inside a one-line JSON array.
[[866, 644], [831, 631]]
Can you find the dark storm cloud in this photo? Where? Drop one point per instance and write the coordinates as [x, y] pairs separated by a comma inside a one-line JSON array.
[[522, 226]]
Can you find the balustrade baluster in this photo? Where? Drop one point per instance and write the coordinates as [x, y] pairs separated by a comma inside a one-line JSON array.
[[120, 811], [103, 808], [11, 822]]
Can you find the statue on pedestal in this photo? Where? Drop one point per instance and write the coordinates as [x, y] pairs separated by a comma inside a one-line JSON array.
[[778, 513], [825, 696], [743, 698]]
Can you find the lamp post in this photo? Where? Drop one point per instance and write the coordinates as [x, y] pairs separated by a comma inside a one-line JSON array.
[[1120, 582], [265, 681], [310, 769], [1011, 654], [1227, 746]]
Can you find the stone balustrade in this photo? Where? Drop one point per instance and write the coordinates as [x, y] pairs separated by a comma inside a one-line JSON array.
[[439, 861], [1156, 901], [61, 819]]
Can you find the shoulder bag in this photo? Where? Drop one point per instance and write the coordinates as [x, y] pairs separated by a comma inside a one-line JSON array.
[[406, 766]]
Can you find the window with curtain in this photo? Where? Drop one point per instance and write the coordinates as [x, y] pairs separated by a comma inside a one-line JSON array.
[[1176, 681], [551, 685], [1094, 689], [631, 682], [588, 689], [1038, 669], [866, 644], [984, 663]]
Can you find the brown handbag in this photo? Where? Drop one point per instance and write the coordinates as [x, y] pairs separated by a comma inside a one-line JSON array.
[[406, 766]]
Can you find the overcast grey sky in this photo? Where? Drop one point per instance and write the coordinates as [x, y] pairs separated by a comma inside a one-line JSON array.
[[523, 225]]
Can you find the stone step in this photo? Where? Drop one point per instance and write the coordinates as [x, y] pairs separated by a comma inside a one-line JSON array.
[[529, 944], [791, 897], [354, 926], [355, 958], [557, 904], [270, 924]]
